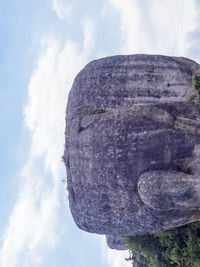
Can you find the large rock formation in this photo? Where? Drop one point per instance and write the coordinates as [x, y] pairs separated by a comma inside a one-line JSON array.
[[132, 148]]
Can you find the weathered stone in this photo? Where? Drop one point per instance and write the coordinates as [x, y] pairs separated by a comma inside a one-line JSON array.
[[116, 242], [133, 145]]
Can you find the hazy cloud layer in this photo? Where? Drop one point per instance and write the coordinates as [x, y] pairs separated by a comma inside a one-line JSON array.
[[34, 223], [62, 9], [154, 26], [193, 37]]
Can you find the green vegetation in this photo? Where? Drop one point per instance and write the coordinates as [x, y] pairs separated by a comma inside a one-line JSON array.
[[196, 87], [94, 111], [177, 247]]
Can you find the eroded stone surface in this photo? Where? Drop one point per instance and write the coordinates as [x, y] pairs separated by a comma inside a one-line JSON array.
[[139, 124], [115, 242]]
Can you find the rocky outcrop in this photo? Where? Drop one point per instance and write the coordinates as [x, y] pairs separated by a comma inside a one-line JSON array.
[[132, 146], [116, 242]]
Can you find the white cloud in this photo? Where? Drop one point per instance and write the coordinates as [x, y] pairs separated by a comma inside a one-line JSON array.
[[62, 10], [155, 26], [193, 37], [104, 9], [34, 223], [88, 33]]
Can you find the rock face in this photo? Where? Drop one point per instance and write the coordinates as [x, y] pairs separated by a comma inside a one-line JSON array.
[[132, 149]]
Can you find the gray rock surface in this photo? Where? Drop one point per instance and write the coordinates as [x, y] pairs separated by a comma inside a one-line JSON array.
[[116, 242], [133, 146]]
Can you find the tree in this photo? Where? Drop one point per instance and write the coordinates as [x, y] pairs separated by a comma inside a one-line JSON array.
[[177, 247], [196, 87]]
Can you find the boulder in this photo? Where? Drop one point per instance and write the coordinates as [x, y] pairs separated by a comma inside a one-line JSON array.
[[132, 149]]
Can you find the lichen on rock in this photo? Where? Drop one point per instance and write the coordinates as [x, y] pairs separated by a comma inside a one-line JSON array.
[[132, 146]]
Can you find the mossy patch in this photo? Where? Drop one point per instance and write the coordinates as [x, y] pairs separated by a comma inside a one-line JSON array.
[[94, 111]]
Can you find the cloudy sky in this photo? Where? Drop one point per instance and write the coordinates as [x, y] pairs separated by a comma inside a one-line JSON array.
[[43, 45]]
